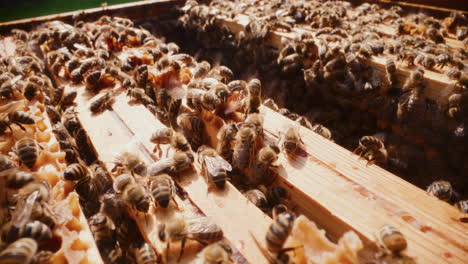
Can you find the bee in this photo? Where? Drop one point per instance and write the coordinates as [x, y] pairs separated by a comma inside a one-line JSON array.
[[226, 137], [141, 75], [163, 189], [140, 96], [5, 163], [101, 228], [372, 149], [462, 206], [453, 73], [274, 195], [266, 158], [415, 79], [428, 61], [115, 255], [57, 95], [88, 194], [181, 143], [202, 69], [255, 120], [19, 252], [68, 98], [101, 103], [137, 197], [27, 151], [173, 166], [121, 182], [161, 136], [15, 178], [214, 167], [237, 86], [53, 114], [253, 103], [193, 129], [70, 120], [145, 254], [75, 172], [92, 81], [408, 56], [217, 253], [291, 140], [279, 231], [391, 240], [442, 190], [258, 198], [200, 229], [390, 69], [244, 148], [35, 229], [30, 90], [21, 118], [322, 130], [131, 162]]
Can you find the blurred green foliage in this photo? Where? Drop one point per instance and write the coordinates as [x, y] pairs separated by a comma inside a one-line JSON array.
[[18, 9]]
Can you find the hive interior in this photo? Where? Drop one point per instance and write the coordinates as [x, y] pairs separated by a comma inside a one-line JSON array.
[[349, 112]]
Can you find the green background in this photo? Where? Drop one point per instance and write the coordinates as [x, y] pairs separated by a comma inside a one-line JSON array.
[[13, 10]]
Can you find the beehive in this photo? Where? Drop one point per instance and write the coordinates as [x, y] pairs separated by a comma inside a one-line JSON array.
[[326, 183]]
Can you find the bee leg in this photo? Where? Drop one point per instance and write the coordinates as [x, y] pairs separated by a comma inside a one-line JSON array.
[[168, 246], [182, 246], [175, 202], [20, 126]]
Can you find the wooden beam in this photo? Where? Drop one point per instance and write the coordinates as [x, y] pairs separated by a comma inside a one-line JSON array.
[[134, 10], [228, 208], [368, 197], [438, 86]]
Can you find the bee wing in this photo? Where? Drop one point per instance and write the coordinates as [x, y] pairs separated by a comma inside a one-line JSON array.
[[10, 107], [159, 166], [215, 164], [24, 213], [201, 225]]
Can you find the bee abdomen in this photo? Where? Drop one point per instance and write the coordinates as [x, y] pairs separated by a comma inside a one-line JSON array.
[[19, 179], [145, 255], [23, 118], [27, 152], [279, 232], [162, 194], [37, 230], [19, 252], [220, 179], [75, 172]]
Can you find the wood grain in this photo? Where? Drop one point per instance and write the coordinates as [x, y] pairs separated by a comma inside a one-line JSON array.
[[368, 197]]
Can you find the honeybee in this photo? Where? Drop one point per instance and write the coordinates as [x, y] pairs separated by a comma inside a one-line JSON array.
[[31, 90], [291, 140], [19, 252], [237, 86], [453, 73], [53, 114], [27, 151], [8, 116], [130, 160], [88, 194], [35, 230], [193, 129], [462, 206], [68, 99], [278, 232], [258, 198], [145, 254], [141, 75], [372, 149], [180, 143], [163, 189], [181, 161], [200, 229], [70, 120], [266, 159], [202, 69], [255, 120], [391, 240], [15, 178], [408, 56], [274, 195], [322, 130], [102, 102], [214, 167], [137, 197], [244, 148], [140, 96], [92, 80], [75, 172], [226, 137], [102, 229], [161, 136], [217, 253], [442, 190], [390, 69], [115, 255]]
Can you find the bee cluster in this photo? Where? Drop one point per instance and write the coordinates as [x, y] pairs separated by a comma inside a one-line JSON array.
[[317, 61], [213, 122], [37, 213]]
